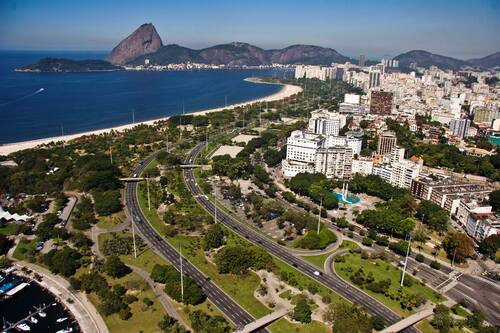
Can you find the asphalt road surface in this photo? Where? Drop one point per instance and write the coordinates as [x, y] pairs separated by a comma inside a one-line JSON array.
[[336, 284], [219, 298]]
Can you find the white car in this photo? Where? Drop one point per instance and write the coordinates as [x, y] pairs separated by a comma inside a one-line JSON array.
[[317, 273]]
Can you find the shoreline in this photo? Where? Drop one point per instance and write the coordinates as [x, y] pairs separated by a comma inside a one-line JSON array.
[[286, 90]]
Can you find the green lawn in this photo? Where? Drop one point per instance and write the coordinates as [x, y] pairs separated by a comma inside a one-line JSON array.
[[347, 244], [144, 319], [382, 270], [240, 288], [9, 229], [319, 260], [23, 248], [284, 326], [146, 259], [108, 222]]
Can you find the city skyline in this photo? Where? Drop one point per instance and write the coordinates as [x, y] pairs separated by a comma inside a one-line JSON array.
[[379, 29]]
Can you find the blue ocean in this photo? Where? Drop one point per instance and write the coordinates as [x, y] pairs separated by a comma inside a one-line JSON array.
[[40, 105]]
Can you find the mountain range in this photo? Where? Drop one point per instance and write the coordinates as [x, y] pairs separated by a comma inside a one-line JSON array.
[[145, 45]]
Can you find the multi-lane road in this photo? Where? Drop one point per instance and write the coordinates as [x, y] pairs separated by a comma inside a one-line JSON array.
[[219, 298], [334, 283]]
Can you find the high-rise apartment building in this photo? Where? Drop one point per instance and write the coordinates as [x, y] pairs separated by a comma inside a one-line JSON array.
[[326, 122], [380, 102], [374, 79], [362, 60], [330, 155], [485, 115], [459, 127], [386, 143]]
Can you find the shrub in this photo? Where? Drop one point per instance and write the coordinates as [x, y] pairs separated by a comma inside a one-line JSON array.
[[382, 240], [367, 241], [420, 257], [302, 311], [326, 299], [435, 264]]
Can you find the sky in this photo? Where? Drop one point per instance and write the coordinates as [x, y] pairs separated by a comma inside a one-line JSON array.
[[376, 28]]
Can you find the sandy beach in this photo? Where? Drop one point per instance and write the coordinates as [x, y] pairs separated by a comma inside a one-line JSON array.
[[286, 91]]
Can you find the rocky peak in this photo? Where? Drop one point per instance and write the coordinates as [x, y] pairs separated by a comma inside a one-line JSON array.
[[143, 40]]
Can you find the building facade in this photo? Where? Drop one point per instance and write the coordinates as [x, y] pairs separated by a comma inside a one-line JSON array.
[[386, 143], [380, 102]]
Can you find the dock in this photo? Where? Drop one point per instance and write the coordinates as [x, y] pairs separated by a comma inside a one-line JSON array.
[[9, 326]]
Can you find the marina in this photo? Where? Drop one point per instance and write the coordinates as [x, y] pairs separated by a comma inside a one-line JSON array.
[[28, 307]]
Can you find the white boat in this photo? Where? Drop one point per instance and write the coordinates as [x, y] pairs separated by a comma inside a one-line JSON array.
[[65, 330], [33, 320], [42, 314], [60, 320], [17, 289], [23, 327]]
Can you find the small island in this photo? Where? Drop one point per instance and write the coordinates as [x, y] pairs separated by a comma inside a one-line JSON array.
[[68, 65]]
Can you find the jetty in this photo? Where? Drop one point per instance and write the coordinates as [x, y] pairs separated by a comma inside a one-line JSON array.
[[9, 326]]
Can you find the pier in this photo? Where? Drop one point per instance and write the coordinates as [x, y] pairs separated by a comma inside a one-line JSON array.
[[8, 326]]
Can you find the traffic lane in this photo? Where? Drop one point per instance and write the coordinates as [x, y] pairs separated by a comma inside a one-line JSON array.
[[345, 289], [232, 310]]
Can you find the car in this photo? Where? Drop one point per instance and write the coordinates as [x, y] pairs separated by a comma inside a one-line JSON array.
[[317, 273], [134, 175]]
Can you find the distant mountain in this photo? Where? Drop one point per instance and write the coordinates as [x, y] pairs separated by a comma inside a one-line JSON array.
[[142, 41], [235, 54], [169, 54], [239, 54], [306, 54], [427, 59], [490, 61], [68, 65]]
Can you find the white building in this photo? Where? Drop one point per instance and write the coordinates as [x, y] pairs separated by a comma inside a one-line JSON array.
[[398, 171], [351, 98], [330, 155], [334, 162], [479, 220], [374, 79], [326, 122], [364, 167], [315, 72], [460, 127]]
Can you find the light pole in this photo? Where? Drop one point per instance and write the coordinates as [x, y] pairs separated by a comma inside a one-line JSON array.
[[406, 259], [147, 187], [182, 277], [454, 254], [133, 238], [215, 206], [319, 214]]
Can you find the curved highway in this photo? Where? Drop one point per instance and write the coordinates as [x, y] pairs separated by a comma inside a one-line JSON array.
[[218, 297], [334, 283]]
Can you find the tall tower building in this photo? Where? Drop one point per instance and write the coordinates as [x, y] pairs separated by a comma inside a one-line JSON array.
[[386, 143], [459, 127], [374, 79], [362, 60]]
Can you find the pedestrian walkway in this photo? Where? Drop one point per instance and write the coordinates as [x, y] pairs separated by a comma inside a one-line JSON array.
[[264, 321], [85, 313]]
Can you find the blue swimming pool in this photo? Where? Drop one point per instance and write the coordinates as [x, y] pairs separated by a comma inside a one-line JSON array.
[[351, 199]]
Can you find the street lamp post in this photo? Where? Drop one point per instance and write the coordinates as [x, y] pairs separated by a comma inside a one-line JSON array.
[[319, 214], [406, 259]]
